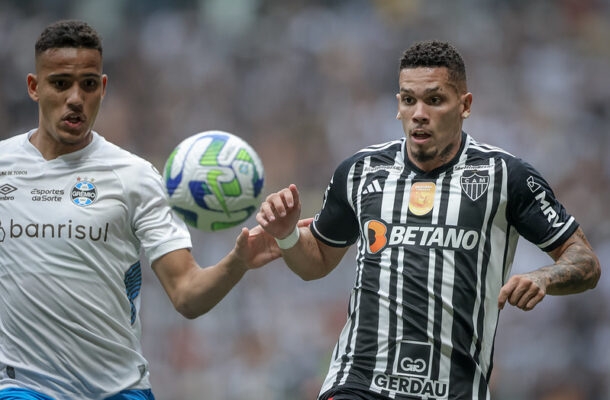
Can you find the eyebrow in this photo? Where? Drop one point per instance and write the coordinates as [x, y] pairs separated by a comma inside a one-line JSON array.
[[426, 91], [64, 75]]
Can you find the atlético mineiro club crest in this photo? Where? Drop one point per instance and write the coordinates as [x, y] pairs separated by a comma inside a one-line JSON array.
[[474, 185]]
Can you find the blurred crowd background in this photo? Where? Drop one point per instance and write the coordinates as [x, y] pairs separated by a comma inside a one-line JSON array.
[[308, 83]]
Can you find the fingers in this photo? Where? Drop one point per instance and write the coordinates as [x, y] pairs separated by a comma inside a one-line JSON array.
[[505, 291], [294, 194], [242, 238], [278, 205], [257, 230], [305, 222], [521, 292], [254, 248]]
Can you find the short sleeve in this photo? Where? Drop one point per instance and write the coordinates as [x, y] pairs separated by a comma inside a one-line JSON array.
[[337, 224], [534, 210], [158, 228]]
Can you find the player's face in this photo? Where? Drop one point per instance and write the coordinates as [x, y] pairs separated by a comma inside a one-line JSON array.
[[431, 109], [69, 88]]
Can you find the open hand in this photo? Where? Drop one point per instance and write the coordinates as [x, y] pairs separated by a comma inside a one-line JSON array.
[[255, 247]]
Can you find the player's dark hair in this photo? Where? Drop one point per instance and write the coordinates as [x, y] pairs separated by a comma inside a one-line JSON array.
[[68, 33], [436, 54]]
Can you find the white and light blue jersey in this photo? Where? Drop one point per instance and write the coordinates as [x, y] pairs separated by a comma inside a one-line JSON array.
[[72, 231]]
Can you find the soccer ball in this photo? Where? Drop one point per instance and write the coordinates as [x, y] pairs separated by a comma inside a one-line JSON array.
[[214, 180]]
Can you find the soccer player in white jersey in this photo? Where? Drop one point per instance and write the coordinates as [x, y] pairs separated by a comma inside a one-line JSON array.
[[436, 217], [75, 211]]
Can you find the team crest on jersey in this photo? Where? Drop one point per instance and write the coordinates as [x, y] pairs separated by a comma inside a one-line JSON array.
[[84, 192], [475, 185], [421, 198]]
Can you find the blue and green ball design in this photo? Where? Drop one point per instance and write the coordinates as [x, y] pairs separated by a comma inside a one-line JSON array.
[[214, 180]]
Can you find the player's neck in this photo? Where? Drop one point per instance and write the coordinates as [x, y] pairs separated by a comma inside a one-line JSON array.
[[50, 147]]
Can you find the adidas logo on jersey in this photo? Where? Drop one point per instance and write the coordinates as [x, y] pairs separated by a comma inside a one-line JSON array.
[[373, 187]]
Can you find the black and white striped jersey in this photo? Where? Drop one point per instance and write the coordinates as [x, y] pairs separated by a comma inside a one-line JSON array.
[[434, 249]]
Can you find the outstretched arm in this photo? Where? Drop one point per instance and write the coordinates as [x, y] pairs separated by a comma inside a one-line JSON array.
[[575, 270], [194, 290], [306, 256]]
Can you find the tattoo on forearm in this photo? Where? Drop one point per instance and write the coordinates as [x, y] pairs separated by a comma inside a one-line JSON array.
[[581, 236], [575, 271]]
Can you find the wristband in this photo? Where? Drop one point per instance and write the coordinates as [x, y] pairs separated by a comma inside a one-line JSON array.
[[290, 240]]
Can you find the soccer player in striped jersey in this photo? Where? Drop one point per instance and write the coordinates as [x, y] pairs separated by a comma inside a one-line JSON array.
[[435, 216], [75, 213]]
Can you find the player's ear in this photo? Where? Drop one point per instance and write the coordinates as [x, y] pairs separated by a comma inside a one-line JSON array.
[[466, 104], [32, 82], [104, 83], [398, 98]]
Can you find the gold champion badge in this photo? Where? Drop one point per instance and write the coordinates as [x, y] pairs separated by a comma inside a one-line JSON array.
[[421, 199]]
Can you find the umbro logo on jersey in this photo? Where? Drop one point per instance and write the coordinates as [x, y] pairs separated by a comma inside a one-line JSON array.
[[373, 187], [5, 190]]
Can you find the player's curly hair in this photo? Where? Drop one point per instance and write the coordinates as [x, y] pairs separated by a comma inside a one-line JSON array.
[[435, 53], [68, 33]]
